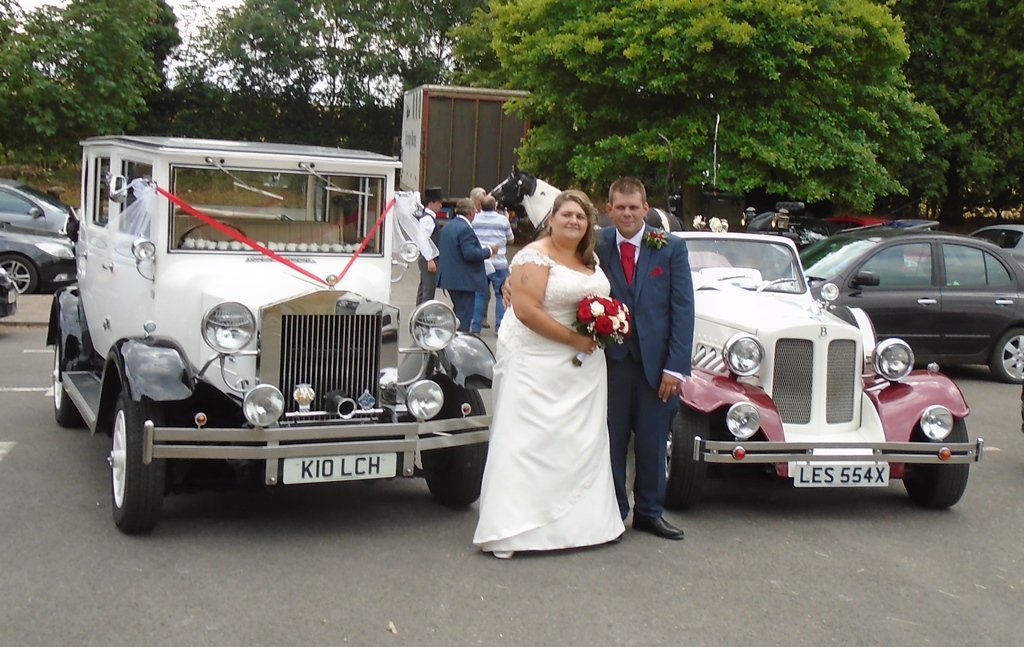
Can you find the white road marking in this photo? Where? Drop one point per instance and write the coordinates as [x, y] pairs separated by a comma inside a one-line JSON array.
[[5, 447], [24, 389]]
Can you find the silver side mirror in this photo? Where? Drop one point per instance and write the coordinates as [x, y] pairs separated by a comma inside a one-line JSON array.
[[118, 188]]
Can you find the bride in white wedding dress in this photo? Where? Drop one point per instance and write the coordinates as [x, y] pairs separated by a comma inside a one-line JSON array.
[[548, 482]]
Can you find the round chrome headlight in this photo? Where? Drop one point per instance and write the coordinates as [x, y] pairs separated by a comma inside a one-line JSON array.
[[893, 359], [830, 292], [936, 422], [143, 249], [744, 354], [228, 327], [432, 325], [409, 252], [424, 399], [743, 420], [263, 405]]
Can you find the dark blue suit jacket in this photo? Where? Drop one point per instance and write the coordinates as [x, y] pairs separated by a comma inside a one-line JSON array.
[[460, 259], [660, 302]]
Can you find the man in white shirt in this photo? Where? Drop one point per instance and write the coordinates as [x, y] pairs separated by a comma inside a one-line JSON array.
[[491, 227], [432, 198]]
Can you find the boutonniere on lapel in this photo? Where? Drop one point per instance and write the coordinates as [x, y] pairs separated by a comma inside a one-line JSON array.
[[655, 239]]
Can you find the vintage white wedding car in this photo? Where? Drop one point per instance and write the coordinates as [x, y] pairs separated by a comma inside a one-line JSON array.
[[801, 386], [232, 324]]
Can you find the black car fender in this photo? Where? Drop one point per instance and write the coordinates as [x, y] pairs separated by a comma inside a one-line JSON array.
[[468, 362], [69, 331]]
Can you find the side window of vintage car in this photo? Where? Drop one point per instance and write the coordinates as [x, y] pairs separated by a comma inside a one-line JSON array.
[[971, 267], [902, 266], [135, 215], [101, 198]]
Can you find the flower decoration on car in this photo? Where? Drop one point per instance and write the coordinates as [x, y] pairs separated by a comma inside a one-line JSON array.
[[655, 239], [603, 318]]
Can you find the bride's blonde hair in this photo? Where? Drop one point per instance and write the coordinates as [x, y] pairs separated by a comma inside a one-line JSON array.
[[585, 250]]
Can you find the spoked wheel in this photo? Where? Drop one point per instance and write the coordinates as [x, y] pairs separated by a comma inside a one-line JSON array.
[[21, 271], [939, 486], [454, 474], [686, 476], [1007, 361], [137, 489], [64, 410]]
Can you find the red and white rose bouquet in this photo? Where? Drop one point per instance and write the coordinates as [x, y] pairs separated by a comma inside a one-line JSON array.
[[603, 318]]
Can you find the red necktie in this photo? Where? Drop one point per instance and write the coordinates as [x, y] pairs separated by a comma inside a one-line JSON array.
[[628, 258]]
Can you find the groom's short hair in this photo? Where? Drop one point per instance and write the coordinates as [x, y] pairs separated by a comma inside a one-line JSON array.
[[627, 186]]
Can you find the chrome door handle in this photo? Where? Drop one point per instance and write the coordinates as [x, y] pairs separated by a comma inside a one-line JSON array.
[[108, 266], [925, 301], [1004, 302]]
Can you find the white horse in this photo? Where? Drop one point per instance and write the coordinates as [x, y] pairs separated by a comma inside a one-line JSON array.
[[537, 198]]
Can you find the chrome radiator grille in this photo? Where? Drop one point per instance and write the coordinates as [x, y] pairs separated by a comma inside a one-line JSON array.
[[842, 371], [793, 380], [331, 353]]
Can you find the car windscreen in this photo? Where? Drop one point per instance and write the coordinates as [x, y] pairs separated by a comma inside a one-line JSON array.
[[774, 264], [283, 211], [827, 258], [43, 197]]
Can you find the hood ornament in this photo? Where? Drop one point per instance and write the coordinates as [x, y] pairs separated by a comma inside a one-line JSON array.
[[303, 396]]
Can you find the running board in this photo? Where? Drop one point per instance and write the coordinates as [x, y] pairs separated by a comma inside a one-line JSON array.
[[83, 387]]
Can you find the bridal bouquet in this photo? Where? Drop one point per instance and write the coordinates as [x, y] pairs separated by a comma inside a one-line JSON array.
[[603, 318]]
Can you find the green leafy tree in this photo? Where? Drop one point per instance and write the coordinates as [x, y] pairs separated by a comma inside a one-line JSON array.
[[316, 71], [72, 72], [809, 96], [967, 62]]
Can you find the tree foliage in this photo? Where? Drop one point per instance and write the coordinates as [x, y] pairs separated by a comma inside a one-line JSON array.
[[967, 62], [317, 71], [809, 96], [72, 72]]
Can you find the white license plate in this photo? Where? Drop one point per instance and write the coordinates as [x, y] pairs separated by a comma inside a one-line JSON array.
[[353, 467], [841, 475]]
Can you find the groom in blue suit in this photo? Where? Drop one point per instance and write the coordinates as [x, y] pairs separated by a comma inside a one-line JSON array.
[[460, 262], [650, 273]]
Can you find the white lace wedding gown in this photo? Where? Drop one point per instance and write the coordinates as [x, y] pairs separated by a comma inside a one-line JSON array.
[[548, 480]]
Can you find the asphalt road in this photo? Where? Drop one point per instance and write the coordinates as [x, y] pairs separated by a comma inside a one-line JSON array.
[[381, 564]]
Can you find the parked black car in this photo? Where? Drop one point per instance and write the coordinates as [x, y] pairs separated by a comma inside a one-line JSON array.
[[36, 260], [954, 299], [802, 229], [8, 295], [25, 206]]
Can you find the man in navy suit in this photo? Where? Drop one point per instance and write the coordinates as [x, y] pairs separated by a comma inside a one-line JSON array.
[[460, 262], [651, 275]]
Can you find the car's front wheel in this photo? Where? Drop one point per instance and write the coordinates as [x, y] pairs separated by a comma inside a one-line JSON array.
[[454, 474], [137, 489], [1007, 361], [686, 475], [21, 272], [64, 410], [939, 486]]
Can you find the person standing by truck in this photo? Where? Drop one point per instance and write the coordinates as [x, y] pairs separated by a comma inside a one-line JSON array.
[[461, 265], [491, 227], [432, 198]]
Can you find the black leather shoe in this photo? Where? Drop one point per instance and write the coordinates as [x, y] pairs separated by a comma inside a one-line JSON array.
[[617, 540], [657, 526]]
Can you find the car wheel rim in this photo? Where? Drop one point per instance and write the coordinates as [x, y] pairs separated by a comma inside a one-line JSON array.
[[1013, 357], [668, 455], [19, 275], [58, 388], [117, 459]]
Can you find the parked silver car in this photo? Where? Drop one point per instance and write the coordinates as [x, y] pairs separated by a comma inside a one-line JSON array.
[[25, 206]]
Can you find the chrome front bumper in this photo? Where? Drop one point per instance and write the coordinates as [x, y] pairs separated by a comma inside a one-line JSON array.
[[712, 451], [270, 445]]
